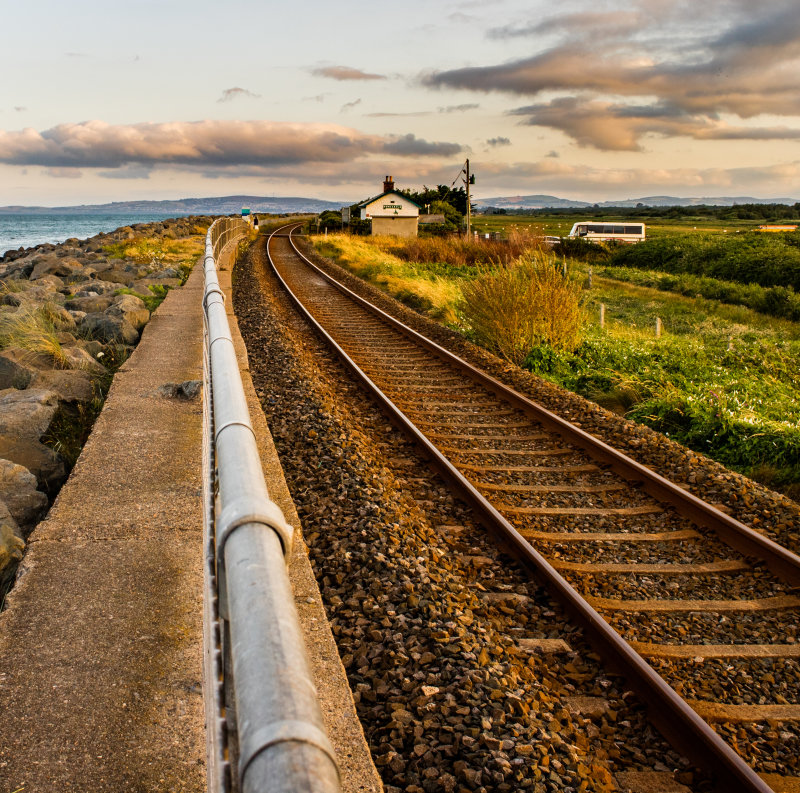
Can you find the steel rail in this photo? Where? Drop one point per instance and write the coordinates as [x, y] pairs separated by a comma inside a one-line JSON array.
[[730, 531], [667, 710], [281, 745]]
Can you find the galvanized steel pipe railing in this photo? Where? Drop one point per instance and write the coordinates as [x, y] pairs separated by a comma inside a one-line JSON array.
[[265, 729]]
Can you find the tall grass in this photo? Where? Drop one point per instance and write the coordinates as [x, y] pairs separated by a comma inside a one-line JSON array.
[[34, 329], [432, 288], [157, 251], [512, 308], [459, 251]]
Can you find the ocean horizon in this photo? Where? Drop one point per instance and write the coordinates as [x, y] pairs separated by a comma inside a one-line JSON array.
[[25, 230]]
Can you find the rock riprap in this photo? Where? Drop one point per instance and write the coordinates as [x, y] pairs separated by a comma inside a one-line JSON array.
[[69, 314]]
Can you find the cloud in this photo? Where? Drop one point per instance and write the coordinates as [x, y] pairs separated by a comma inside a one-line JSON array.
[[621, 127], [20, 108], [204, 144], [412, 146], [64, 173], [498, 141], [607, 183], [398, 115], [132, 171], [229, 94], [345, 73], [680, 67], [459, 18], [349, 105], [458, 108]]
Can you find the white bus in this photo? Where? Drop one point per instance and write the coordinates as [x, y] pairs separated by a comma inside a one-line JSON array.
[[603, 230]]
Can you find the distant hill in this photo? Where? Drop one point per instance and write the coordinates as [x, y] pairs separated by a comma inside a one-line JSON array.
[[224, 205], [529, 202], [553, 202]]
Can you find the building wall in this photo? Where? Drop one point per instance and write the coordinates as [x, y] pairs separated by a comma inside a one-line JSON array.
[[398, 226], [390, 204]]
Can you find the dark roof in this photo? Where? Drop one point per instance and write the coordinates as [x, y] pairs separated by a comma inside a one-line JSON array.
[[431, 219], [388, 192]]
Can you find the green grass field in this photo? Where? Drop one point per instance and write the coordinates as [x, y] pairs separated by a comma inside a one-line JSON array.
[[560, 225], [721, 379]]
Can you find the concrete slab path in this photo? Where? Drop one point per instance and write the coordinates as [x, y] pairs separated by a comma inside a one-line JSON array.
[[101, 641]]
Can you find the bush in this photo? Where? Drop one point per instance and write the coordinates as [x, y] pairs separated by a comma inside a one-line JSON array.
[[512, 308]]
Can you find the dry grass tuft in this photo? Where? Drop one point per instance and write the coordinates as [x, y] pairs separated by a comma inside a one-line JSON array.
[[511, 308], [34, 329]]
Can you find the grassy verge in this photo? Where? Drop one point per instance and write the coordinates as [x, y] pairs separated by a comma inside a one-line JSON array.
[[180, 254], [429, 286], [721, 379]]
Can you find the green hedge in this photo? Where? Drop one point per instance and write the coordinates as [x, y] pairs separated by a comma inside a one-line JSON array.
[[775, 301], [752, 258]]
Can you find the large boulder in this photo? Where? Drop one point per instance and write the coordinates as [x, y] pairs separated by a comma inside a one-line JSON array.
[[121, 276], [71, 385], [52, 264], [24, 417], [19, 367], [97, 286], [131, 308], [19, 494], [78, 357], [108, 329], [94, 304], [26, 413], [18, 269], [12, 546]]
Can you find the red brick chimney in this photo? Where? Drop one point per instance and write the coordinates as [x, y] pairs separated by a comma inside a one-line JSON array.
[[388, 185]]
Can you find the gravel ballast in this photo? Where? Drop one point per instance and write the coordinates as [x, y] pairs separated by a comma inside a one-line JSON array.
[[425, 610]]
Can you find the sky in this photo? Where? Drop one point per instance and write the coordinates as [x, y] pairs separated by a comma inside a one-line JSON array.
[[600, 100]]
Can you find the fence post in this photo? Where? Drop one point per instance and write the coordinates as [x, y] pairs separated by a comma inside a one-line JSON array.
[[602, 315], [658, 327]]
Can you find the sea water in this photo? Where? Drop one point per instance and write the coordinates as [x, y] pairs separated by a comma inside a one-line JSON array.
[[28, 229]]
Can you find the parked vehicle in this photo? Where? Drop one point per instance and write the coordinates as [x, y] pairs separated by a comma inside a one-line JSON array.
[[603, 230]]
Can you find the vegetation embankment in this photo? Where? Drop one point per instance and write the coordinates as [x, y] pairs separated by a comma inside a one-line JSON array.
[[721, 379]]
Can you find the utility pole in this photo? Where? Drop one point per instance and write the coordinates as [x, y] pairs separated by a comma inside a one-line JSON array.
[[469, 208], [468, 180]]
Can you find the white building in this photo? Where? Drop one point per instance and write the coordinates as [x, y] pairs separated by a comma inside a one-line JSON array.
[[391, 213]]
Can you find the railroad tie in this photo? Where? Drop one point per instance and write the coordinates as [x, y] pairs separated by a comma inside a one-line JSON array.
[[611, 536], [778, 603], [704, 651], [603, 511], [717, 712], [651, 569], [550, 488]]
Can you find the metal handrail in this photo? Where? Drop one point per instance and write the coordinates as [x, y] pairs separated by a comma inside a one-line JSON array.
[[264, 724]]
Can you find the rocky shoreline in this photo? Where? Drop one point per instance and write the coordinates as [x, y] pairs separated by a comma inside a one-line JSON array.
[[70, 314]]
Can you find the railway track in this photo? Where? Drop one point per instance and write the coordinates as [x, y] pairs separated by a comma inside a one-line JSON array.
[[650, 571]]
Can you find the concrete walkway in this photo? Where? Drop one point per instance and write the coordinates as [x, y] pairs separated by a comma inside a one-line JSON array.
[[101, 642]]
